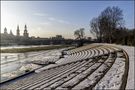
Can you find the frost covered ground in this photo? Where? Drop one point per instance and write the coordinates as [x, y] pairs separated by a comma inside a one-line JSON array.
[[131, 75], [15, 64], [95, 66]]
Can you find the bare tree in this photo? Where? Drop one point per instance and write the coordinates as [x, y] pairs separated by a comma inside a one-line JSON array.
[[110, 19], [94, 25], [79, 34]]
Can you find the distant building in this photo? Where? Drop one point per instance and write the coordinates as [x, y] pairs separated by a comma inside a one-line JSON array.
[[11, 32], [57, 37], [5, 30], [18, 31], [25, 34], [18, 39], [11, 39]]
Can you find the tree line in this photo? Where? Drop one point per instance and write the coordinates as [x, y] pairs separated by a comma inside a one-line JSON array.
[[109, 27]]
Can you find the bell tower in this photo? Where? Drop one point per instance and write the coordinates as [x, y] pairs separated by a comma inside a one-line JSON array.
[[5, 30], [25, 34]]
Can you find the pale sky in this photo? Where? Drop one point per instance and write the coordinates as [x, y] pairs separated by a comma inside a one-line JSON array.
[[49, 18]]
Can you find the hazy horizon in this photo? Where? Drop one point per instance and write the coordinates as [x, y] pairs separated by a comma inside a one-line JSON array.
[[50, 18]]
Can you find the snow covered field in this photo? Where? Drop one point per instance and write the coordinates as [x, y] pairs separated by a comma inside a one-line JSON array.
[[95, 66], [14, 64]]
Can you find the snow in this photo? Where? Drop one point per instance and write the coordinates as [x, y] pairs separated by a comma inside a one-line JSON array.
[[131, 79], [113, 77], [131, 74], [22, 46], [15, 64], [18, 72], [74, 72]]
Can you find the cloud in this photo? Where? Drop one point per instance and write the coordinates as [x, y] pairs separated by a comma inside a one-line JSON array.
[[40, 14], [58, 20], [63, 21], [52, 19], [45, 23]]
